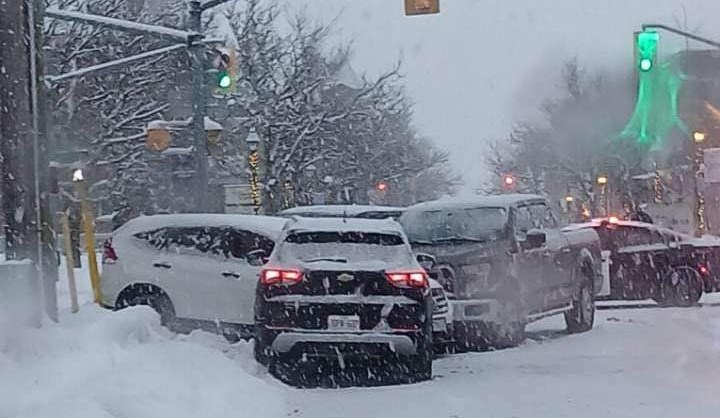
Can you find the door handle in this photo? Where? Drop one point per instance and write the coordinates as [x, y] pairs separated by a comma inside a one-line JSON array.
[[162, 265], [230, 274]]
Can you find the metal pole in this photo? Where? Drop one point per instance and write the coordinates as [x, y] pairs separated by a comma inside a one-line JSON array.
[[89, 230], [69, 262], [681, 33], [197, 51]]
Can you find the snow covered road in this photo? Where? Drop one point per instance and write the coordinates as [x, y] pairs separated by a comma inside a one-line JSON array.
[[635, 363]]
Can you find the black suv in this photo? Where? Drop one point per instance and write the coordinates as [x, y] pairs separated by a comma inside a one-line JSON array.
[[505, 263], [343, 289]]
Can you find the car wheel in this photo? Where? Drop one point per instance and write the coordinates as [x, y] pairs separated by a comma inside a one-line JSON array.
[[469, 336], [581, 317], [156, 299], [683, 287], [508, 336]]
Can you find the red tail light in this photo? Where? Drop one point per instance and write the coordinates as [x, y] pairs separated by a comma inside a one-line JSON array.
[[287, 277], [108, 255], [704, 271], [414, 279]]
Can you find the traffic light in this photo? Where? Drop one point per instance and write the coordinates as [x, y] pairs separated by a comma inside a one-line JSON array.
[[647, 45], [509, 182], [422, 7], [226, 66]]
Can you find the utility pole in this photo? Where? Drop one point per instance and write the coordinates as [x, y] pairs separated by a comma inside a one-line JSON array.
[[23, 148]]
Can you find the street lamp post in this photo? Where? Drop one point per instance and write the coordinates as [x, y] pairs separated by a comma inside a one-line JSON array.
[[89, 230], [602, 181]]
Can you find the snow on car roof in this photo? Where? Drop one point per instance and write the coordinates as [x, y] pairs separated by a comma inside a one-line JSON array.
[[338, 210], [501, 200], [266, 225], [383, 226]]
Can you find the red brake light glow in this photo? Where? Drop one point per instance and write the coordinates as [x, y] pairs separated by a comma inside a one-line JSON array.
[[287, 277], [703, 270], [614, 220], [414, 279]]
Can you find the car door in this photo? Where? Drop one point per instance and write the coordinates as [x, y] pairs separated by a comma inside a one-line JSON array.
[[559, 258], [239, 272], [194, 257], [527, 262]]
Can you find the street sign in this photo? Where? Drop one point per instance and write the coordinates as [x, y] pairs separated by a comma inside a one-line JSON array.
[[422, 7]]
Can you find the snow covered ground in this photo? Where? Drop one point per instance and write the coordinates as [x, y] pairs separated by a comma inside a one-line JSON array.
[[636, 363]]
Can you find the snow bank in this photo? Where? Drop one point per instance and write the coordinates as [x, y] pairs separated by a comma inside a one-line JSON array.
[[124, 364]]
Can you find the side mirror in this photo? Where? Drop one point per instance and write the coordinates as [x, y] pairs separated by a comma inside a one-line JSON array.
[[257, 257], [535, 238], [426, 261]]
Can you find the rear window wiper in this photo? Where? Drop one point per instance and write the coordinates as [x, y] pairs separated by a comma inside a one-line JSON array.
[[331, 259]]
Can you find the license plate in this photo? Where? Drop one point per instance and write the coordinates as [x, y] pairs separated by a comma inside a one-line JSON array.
[[439, 325], [343, 323]]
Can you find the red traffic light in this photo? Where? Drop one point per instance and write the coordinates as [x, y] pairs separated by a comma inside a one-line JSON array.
[[509, 181]]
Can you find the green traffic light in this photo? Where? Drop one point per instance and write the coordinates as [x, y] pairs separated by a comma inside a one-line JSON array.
[[224, 80], [647, 44], [646, 64]]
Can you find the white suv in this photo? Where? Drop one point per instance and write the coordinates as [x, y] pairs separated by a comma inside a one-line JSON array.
[[196, 270]]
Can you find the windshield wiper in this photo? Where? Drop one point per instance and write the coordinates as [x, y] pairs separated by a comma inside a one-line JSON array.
[[421, 242], [458, 238], [331, 259]]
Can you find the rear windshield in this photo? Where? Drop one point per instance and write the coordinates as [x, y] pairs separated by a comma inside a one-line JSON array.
[[455, 224], [344, 238], [346, 248]]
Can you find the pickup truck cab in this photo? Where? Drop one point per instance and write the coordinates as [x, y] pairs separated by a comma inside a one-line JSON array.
[[504, 263]]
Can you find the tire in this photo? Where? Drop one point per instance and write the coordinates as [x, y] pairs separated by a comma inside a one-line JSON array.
[[683, 287], [581, 317], [419, 366], [508, 336], [261, 348], [154, 298]]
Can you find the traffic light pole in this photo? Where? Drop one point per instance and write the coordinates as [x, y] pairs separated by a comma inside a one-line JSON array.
[[197, 56]]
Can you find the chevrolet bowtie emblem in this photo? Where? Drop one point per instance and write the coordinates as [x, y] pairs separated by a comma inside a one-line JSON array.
[[346, 277]]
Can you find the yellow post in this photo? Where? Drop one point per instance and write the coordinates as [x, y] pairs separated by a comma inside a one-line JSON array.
[[69, 262], [89, 230]]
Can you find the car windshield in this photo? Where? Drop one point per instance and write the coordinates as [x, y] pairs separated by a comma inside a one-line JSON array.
[[344, 247], [471, 225]]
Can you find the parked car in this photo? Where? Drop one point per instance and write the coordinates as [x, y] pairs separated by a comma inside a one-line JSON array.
[[346, 211], [196, 270], [504, 263], [645, 261], [344, 289]]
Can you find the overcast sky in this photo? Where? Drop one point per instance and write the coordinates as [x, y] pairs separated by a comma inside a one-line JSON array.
[[481, 65]]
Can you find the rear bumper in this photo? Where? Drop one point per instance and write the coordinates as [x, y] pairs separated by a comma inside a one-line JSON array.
[[476, 310], [286, 342]]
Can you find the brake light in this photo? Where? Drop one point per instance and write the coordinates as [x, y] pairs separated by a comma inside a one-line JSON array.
[[287, 277], [704, 271], [414, 279], [109, 256], [614, 220]]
